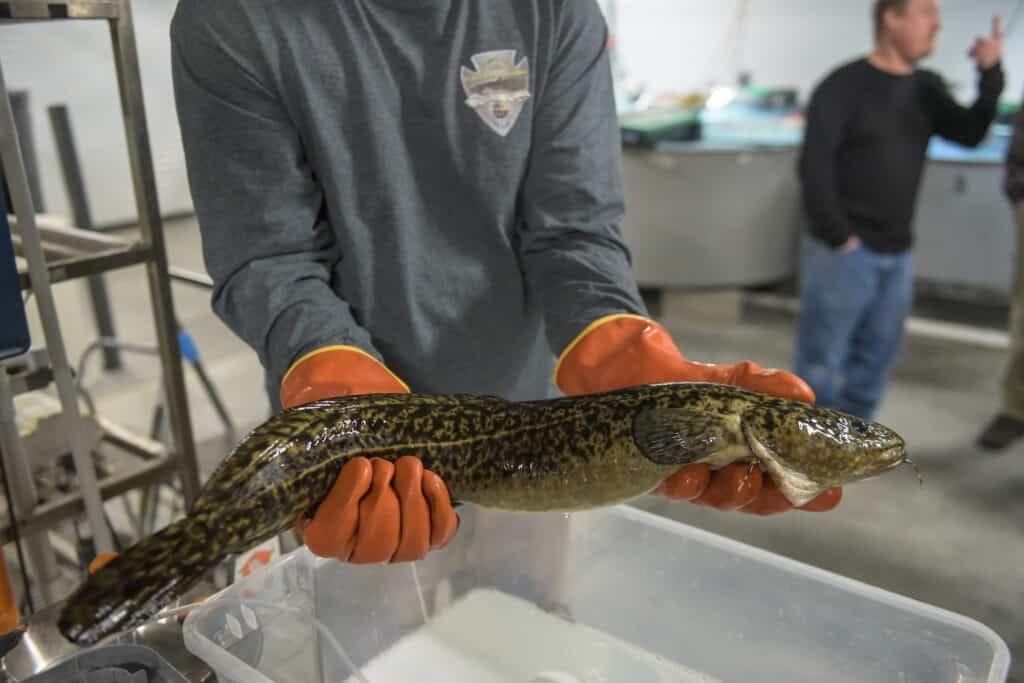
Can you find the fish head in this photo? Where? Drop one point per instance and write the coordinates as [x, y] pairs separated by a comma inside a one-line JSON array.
[[828, 447]]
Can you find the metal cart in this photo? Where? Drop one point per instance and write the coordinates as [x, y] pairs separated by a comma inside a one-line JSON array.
[[55, 253]]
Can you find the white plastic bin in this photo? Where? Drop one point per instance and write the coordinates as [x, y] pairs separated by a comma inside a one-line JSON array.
[[605, 596]]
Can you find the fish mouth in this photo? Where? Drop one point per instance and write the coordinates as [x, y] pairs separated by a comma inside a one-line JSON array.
[[896, 455]]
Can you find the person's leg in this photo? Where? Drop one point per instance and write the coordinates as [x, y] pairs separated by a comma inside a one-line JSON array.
[[1008, 426], [879, 336], [835, 289]]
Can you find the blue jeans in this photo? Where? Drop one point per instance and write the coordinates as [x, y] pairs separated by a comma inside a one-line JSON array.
[[850, 327]]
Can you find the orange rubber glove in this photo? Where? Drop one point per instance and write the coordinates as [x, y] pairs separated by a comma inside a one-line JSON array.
[[10, 615], [100, 561], [627, 350], [377, 512]]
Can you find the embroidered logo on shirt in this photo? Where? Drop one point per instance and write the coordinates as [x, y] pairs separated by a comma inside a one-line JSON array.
[[497, 88]]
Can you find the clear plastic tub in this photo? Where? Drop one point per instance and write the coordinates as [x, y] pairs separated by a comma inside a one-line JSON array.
[[605, 596]]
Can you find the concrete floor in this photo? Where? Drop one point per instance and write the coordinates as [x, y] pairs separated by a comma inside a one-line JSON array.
[[956, 543]]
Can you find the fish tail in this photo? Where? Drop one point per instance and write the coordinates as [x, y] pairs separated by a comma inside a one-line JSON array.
[[133, 587]]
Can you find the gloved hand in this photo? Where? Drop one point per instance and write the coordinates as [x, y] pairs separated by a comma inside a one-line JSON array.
[[377, 512], [10, 615], [627, 350], [100, 561]]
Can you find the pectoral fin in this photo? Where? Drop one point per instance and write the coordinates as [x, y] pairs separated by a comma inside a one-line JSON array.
[[680, 437]]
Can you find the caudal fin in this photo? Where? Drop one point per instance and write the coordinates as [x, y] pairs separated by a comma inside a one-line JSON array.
[[137, 584]]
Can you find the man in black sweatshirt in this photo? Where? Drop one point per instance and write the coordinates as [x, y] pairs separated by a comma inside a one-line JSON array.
[[868, 128]]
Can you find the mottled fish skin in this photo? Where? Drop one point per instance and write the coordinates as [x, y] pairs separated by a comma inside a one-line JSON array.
[[565, 454]]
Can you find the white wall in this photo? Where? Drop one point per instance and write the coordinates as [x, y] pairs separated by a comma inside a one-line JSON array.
[[670, 44], [679, 45], [72, 63]]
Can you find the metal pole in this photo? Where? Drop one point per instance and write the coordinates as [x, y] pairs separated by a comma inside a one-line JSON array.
[[81, 216], [218, 404], [23, 122], [40, 277], [150, 222], [24, 495], [188, 277]]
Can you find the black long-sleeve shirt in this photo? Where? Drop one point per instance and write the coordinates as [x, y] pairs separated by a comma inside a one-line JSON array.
[[865, 145]]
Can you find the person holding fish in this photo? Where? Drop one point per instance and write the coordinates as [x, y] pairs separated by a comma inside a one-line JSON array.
[[403, 196]]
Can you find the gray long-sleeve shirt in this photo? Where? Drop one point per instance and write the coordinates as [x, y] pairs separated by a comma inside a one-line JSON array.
[[436, 182]]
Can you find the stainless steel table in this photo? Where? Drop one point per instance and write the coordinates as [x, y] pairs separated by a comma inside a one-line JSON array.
[[727, 215]]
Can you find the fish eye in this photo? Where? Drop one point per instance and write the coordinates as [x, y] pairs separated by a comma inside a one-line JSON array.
[[859, 428]]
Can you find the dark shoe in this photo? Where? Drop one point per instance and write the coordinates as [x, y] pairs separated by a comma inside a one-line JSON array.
[[1001, 432]]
